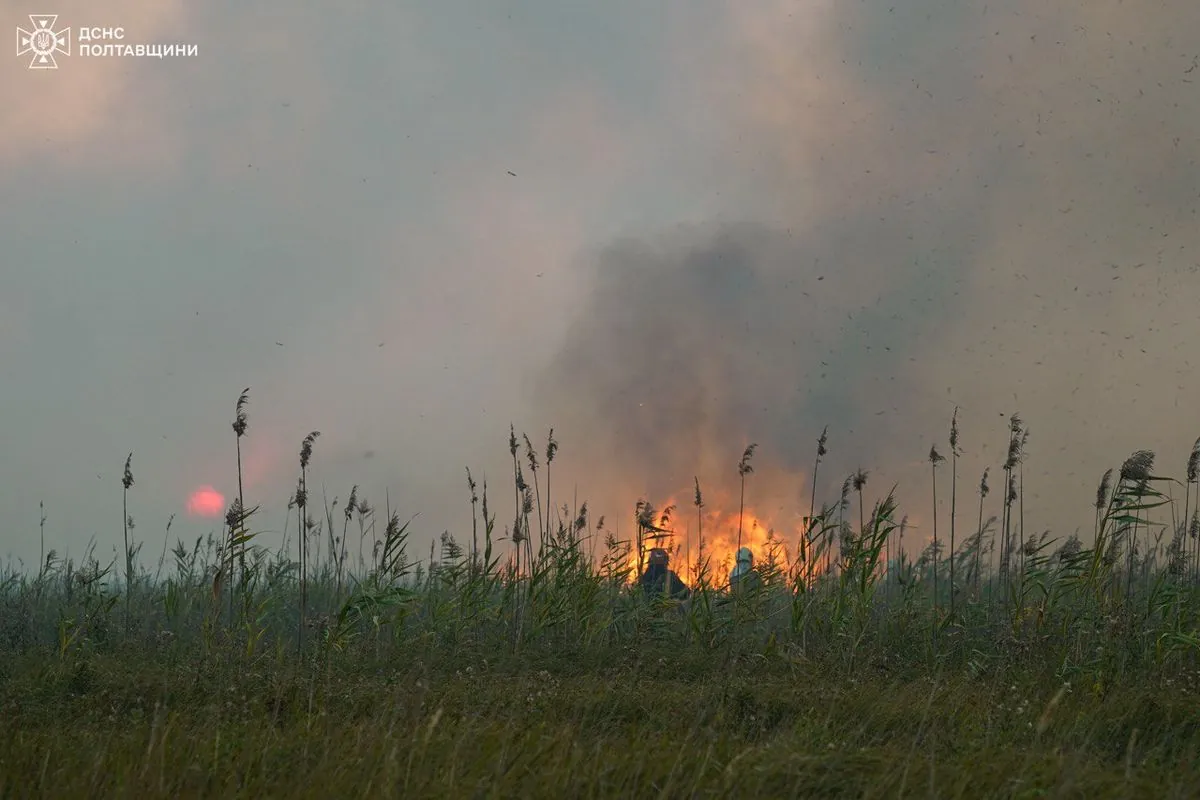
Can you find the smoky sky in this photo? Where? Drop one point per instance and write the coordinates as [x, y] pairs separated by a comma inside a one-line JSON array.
[[666, 231], [989, 210]]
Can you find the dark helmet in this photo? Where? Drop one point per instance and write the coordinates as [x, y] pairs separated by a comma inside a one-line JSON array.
[[658, 557]]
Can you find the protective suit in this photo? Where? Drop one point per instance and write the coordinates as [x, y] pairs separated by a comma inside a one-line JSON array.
[[744, 577], [660, 579]]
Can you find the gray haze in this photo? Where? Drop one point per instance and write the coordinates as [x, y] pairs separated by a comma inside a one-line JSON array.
[[728, 222]]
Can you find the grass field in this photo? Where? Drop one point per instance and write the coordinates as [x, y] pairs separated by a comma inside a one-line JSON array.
[[565, 724], [517, 664]]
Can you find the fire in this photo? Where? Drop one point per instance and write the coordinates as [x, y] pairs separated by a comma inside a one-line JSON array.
[[714, 532], [206, 502], [720, 541]]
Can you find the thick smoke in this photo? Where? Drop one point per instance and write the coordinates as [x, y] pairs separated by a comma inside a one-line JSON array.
[[970, 205], [694, 345]]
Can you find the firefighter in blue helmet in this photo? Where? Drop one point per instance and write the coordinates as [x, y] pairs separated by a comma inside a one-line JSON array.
[[660, 580]]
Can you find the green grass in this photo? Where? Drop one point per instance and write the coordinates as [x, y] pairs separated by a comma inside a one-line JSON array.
[[638, 724], [521, 665]]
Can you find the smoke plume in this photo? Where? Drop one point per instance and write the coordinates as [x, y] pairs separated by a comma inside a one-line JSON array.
[[984, 206]]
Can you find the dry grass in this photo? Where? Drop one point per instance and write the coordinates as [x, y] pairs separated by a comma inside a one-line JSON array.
[[639, 724], [524, 665]]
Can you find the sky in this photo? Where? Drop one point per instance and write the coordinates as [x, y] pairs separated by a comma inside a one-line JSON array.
[[665, 230]]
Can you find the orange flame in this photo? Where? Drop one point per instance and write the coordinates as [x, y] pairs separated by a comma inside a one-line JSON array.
[[709, 540]]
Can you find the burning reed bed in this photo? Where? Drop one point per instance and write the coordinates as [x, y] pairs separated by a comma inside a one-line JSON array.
[[528, 662]]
